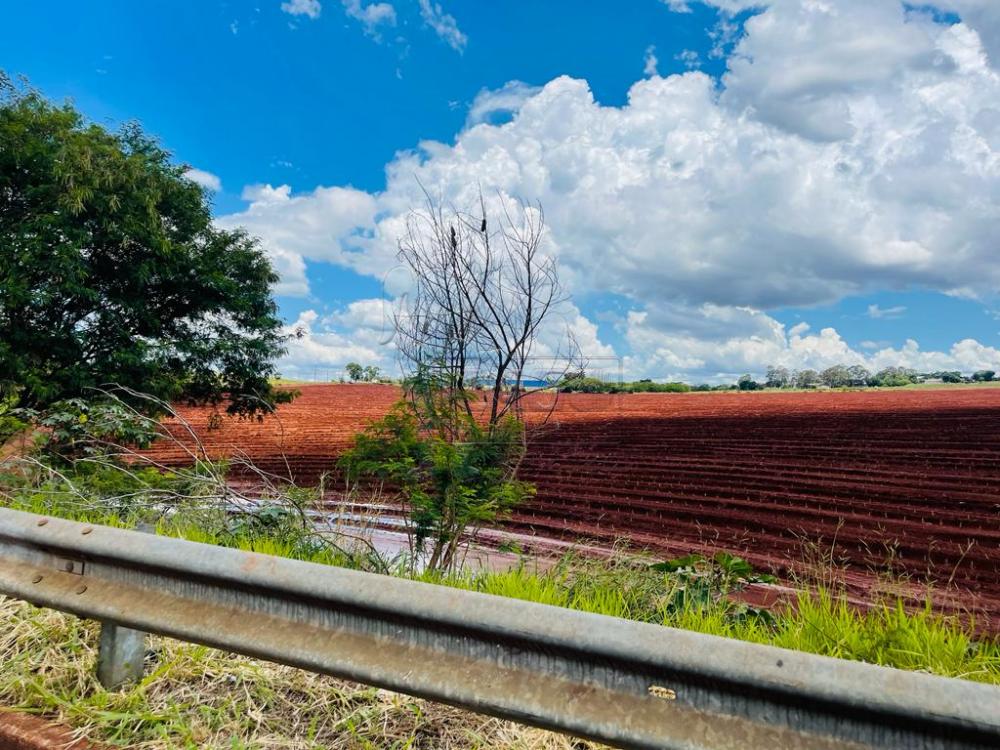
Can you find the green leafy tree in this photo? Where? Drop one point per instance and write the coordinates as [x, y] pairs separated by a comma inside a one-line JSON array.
[[778, 377], [806, 379], [858, 375], [112, 271], [11, 419], [646, 386], [837, 376], [984, 376], [354, 371], [359, 374], [893, 377], [77, 427], [747, 383], [581, 383]]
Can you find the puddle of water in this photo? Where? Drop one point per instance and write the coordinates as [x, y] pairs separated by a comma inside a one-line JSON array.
[[361, 525]]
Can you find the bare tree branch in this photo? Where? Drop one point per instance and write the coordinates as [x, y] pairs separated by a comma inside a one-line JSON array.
[[483, 289]]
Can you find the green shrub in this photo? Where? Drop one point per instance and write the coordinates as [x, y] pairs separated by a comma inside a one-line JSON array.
[[12, 419], [583, 384], [893, 377], [450, 479], [648, 386]]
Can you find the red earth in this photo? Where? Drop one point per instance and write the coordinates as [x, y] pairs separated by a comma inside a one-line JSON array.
[[905, 483]]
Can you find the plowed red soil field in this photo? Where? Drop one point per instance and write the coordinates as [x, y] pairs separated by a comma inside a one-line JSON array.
[[901, 482]]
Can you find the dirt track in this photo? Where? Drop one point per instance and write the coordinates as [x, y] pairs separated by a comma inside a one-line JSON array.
[[901, 481]]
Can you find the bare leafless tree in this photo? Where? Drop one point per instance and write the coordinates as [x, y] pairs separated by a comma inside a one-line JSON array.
[[482, 290]]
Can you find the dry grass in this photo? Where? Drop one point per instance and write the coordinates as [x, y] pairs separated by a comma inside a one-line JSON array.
[[197, 697]]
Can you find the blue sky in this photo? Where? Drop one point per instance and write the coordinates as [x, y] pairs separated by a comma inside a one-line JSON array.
[[317, 95]]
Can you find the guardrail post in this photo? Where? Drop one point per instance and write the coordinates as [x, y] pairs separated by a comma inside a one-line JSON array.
[[121, 651], [121, 655]]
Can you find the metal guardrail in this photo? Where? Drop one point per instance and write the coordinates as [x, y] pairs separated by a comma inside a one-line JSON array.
[[624, 683]]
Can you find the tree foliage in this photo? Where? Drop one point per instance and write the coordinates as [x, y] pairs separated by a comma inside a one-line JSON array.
[[836, 376], [858, 375], [806, 379], [580, 382], [360, 374], [893, 377], [112, 271], [11, 419], [778, 377], [452, 472]]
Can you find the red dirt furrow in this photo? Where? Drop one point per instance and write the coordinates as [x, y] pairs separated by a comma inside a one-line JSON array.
[[871, 550], [674, 468], [884, 546], [663, 505], [799, 491], [901, 480]]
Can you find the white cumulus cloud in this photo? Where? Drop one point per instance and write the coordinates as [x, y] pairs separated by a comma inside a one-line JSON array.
[[443, 24], [207, 180], [506, 100], [718, 344], [319, 350], [371, 15], [853, 146], [321, 225], [309, 8]]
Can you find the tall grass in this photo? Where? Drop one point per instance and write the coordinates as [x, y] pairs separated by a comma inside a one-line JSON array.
[[197, 697], [818, 620]]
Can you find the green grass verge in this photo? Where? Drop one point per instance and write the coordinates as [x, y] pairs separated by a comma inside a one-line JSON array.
[[818, 622], [692, 598], [197, 697]]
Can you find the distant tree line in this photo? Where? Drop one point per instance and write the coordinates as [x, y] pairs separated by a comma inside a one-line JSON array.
[[581, 383], [837, 376], [856, 376]]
